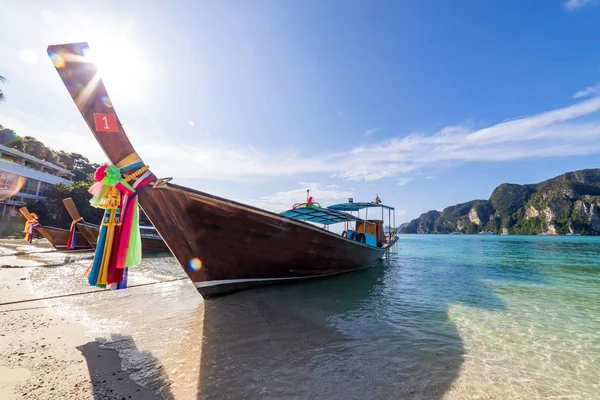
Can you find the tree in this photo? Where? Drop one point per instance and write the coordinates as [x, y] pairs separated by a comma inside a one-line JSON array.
[[3, 80], [7, 136], [52, 211]]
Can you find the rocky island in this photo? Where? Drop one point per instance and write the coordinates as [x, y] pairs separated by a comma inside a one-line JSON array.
[[566, 204]]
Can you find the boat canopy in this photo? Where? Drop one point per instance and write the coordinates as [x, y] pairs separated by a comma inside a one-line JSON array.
[[357, 206], [319, 215]]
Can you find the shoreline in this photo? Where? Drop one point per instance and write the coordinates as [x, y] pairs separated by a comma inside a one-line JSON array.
[[503, 234], [44, 355]]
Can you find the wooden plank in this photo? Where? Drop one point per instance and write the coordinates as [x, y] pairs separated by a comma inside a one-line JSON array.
[[71, 208]]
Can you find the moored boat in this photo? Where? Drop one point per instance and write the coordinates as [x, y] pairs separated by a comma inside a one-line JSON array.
[[223, 245], [151, 240], [57, 237]]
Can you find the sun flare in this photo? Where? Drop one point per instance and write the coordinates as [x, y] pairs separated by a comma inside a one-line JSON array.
[[120, 64]]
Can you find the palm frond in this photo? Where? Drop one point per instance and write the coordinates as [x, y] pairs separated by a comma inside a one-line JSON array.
[[3, 80]]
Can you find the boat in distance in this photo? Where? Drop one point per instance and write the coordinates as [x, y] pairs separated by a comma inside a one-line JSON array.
[[58, 237], [151, 240], [223, 245]]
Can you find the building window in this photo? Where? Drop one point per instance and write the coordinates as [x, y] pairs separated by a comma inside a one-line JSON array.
[[8, 181], [30, 187], [44, 187]]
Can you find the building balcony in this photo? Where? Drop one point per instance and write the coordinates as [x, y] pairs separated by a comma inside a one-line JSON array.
[[11, 202], [21, 170]]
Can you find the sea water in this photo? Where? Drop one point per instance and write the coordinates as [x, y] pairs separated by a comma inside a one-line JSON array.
[[445, 316]]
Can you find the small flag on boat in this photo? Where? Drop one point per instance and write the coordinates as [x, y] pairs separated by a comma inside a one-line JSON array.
[[30, 226], [71, 241], [377, 199]]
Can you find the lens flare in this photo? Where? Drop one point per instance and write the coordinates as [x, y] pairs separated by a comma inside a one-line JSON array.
[[195, 264], [88, 54], [11, 184], [106, 101], [57, 60]]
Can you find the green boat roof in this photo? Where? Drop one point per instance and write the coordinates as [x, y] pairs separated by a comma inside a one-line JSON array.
[[319, 215]]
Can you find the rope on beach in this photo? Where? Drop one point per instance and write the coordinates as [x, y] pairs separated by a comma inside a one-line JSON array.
[[88, 292]]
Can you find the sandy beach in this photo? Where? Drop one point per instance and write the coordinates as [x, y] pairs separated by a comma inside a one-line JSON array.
[[47, 356]]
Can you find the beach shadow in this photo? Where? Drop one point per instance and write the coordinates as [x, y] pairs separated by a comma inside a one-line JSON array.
[[66, 262], [109, 381], [21, 253], [336, 338]]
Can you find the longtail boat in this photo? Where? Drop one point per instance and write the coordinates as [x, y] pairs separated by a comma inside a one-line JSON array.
[[58, 238], [223, 245], [151, 240]]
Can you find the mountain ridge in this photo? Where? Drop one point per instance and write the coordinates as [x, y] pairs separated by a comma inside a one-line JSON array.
[[567, 203]]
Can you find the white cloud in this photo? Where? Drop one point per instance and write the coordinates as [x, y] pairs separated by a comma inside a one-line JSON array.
[[588, 91], [399, 215], [371, 131], [567, 131], [576, 4], [284, 200], [430, 177], [403, 181], [192, 123]]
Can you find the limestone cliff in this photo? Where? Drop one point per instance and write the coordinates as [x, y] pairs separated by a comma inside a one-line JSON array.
[[473, 217], [569, 203]]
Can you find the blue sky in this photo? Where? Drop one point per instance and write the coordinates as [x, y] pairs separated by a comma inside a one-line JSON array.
[[425, 103]]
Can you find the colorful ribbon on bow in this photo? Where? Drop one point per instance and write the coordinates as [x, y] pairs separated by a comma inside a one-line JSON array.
[[30, 226], [119, 242], [71, 241]]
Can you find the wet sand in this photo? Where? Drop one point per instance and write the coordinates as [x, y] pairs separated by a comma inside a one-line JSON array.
[[46, 356]]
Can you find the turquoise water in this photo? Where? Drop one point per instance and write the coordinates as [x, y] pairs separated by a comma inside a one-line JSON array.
[[526, 309], [453, 317]]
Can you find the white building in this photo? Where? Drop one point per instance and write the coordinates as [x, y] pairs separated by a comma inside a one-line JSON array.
[[24, 178]]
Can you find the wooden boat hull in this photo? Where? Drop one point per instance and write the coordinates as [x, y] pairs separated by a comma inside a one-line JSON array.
[[222, 245], [90, 232], [149, 244], [58, 238], [230, 246]]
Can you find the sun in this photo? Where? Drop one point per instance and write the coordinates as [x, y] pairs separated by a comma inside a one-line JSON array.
[[121, 65], [118, 44]]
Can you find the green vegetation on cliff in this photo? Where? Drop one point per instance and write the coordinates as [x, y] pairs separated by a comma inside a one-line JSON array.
[[569, 203]]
